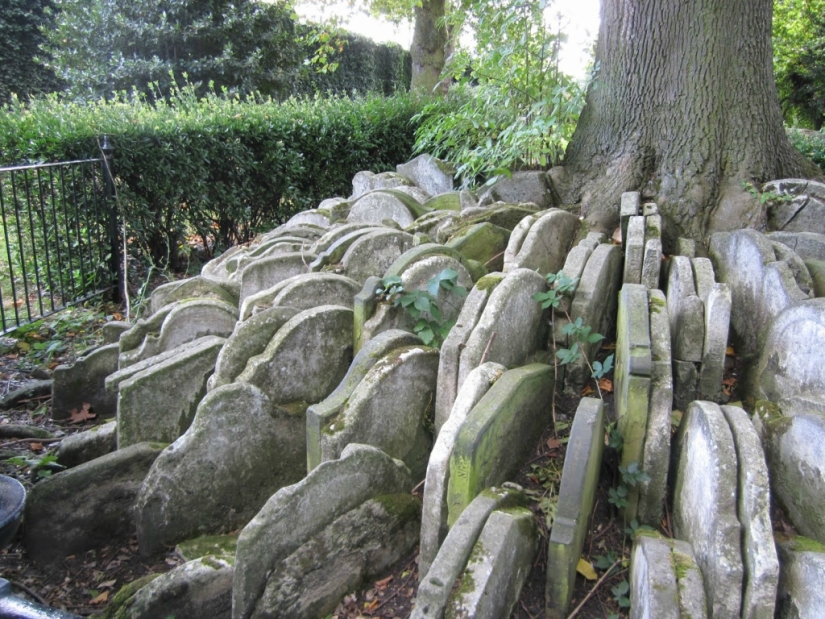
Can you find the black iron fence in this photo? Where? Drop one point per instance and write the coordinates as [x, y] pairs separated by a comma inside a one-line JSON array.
[[58, 237]]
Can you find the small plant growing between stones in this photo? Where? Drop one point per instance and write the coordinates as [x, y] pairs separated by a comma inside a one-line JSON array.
[[422, 305], [632, 475], [766, 196], [39, 468]]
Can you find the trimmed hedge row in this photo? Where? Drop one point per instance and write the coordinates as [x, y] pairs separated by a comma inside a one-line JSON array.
[[364, 66], [221, 168]]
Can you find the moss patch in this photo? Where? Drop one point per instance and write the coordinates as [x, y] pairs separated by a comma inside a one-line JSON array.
[[294, 409], [801, 544], [403, 507], [489, 282], [221, 546], [119, 606]]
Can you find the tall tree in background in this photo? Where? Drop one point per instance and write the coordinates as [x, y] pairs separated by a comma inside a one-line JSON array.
[[100, 46], [684, 108], [20, 25], [799, 60]]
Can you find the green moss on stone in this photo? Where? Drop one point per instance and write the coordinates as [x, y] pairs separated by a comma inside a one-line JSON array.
[[119, 606], [404, 507], [294, 409], [159, 446], [802, 544], [489, 282], [222, 546], [682, 564]]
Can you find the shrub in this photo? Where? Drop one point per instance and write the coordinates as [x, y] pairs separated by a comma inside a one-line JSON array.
[[221, 168], [811, 144]]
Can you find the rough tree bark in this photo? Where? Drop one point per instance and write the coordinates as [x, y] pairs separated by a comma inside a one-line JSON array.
[[428, 44], [684, 109]]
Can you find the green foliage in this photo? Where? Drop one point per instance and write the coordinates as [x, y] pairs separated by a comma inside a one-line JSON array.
[[634, 527], [621, 594], [548, 476], [216, 168], [513, 108], [632, 475], [811, 144], [422, 305], [20, 70], [38, 467], [63, 335], [343, 63], [102, 46], [799, 60]]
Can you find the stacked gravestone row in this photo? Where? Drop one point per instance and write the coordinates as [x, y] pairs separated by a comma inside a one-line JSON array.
[[643, 396], [721, 506], [699, 311], [642, 241], [266, 334]]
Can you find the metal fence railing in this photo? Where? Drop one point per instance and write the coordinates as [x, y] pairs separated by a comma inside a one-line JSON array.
[[58, 237]]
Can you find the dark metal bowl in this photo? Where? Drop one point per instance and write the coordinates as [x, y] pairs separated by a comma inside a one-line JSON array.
[[12, 501]]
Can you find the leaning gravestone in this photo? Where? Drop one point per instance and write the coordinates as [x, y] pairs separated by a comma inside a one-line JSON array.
[[249, 338], [498, 434], [802, 578], [387, 409], [434, 519], [546, 244], [377, 206], [705, 504], [373, 253], [510, 326], [302, 292], [88, 506], [321, 415], [430, 174], [266, 272], [284, 523], [158, 403], [577, 493], [84, 381], [305, 359], [501, 560], [239, 450]]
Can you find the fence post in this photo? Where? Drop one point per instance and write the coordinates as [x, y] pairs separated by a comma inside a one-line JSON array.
[[109, 192]]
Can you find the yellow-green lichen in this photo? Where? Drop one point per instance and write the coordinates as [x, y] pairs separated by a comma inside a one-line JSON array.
[[489, 282]]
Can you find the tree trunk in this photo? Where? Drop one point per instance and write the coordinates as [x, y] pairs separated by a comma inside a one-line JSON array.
[[428, 43], [684, 109]]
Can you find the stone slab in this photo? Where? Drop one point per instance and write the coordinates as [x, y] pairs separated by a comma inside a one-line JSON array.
[[654, 590], [652, 263], [795, 452], [248, 339], [302, 292], [499, 433], [447, 385], [387, 409], [656, 455], [239, 450], [306, 359], [754, 511], [801, 592], [547, 242], [87, 445], [515, 319], [717, 327], [372, 254], [482, 242], [159, 403], [321, 414], [808, 245], [705, 504], [577, 493], [703, 277], [595, 303], [685, 310], [499, 565], [266, 272], [517, 236], [685, 381], [361, 544], [628, 207], [434, 590], [192, 288], [634, 250], [434, 517], [429, 173], [84, 381], [284, 523], [378, 206], [88, 506], [366, 181]]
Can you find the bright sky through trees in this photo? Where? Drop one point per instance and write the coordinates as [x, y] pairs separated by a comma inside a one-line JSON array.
[[580, 22]]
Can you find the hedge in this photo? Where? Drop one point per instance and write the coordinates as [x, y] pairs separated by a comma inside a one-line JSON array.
[[811, 144], [220, 168]]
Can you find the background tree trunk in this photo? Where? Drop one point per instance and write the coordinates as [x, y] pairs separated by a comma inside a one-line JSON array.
[[428, 43], [684, 108]]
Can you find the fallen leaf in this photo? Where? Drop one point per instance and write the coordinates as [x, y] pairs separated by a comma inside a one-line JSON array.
[[382, 584], [587, 391], [371, 606], [53, 365], [730, 382], [553, 443], [585, 568], [23, 346], [729, 351], [79, 416], [606, 385], [100, 599], [36, 446], [117, 316], [108, 583]]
